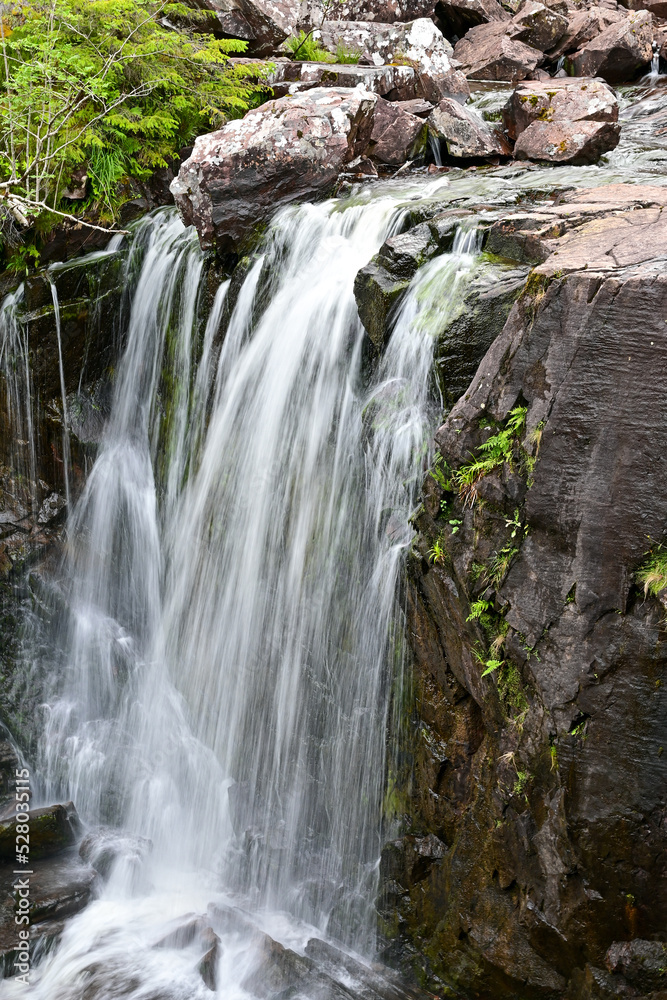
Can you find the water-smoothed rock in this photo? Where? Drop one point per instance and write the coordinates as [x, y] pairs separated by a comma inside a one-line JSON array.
[[538, 761], [380, 285], [463, 133], [579, 143], [59, 887], [620, 52], [419, 44], [287, 150]]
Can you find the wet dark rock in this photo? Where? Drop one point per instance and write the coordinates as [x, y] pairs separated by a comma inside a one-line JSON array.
[[642, 963], [488, 52], [464, 134], [397, 135], [278, 969], [290, 149], [52, 829], [105, 847], [457, 16], [380, 285], [184, 934], [545, 778], [620, 52], [463, 339], [207, 967], [9, 761], [362, 981], [59, 888]]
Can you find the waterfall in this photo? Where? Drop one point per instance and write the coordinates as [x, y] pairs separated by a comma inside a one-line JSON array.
[[226, 660]]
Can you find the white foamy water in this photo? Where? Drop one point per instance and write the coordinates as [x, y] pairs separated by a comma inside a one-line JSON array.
[[225, 661]]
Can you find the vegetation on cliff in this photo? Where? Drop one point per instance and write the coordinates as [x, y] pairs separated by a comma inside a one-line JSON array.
[[106, 89]]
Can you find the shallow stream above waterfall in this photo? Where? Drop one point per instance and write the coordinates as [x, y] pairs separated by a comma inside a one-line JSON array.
[[211, 668]]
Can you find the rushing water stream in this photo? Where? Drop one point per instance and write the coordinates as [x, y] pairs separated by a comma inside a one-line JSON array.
[[227, 652]]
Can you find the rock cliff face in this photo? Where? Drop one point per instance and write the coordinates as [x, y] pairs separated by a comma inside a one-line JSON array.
[[539, 663]]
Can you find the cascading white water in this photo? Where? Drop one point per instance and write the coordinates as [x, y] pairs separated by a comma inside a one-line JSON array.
[[230, 582]]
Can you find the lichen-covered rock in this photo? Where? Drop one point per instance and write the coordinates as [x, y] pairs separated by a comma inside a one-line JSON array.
[[570, 100], [488, 52], [290, 149], [313, 12], [270, 22], [397, 136], [52, 829], [538, 760], [580, 142], [464, 132], [393, 82], [619, 52], [419, 44]]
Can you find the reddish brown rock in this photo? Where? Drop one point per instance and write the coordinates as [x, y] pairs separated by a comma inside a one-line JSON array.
[[465, 133], [539, 26], [488, 53], [313, 12], [458, 16], [578, 143], [567, 100], [287, 150], [397, 136], [619, 52], [584, 25]]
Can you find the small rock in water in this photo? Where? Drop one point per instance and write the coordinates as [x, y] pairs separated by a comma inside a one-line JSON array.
[[52, 829], [208, 965]]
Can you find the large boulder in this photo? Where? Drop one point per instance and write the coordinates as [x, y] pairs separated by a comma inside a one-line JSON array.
[[418, 44], [287, 150], [488, 52], [456, 17], [563, 121], [579, 143], [264, 24], [618, 53], [559, 100], [397, 135], [584, 25], [538, 25], [464, 132]]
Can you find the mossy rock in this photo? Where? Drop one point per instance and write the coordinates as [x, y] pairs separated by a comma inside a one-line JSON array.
[[52, 829]]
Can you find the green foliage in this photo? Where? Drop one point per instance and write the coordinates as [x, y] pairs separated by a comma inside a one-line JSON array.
[[493, 454], [347, 55], [437, 553], [304, 47], [103, 86], [522, 778], [477, 609], [652, 574]]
